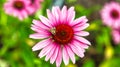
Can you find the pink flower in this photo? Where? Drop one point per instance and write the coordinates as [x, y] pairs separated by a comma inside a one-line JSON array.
[[35, 5], [19, 8], [61, 34], [116, 35], [111, 14]]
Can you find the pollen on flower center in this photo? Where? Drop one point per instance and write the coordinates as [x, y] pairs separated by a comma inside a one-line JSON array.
[[114, 14], [18, 5], [63, 34]]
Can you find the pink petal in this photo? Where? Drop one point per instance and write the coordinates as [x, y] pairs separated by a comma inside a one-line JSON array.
[[51, 17], [76, 44], [116, 36], [70, 53], [65, 56], [46, 50], [39, 36], [15, 13], [20, 17], [79, 21], [116, 24], [41, 44], [50, 53], [79, 28], [30, 10], [81, 33], [59, 57], [9, 11], [45, 21], [83, 40], [40, 30], [82, 45], [63, 14], [54, 56], [40, 25], [76, 50], [24, 13], [71, 14], [56, 13], [27, 2], [7, 5]]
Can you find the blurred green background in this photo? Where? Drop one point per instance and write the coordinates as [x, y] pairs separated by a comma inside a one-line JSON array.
[[15, 44]]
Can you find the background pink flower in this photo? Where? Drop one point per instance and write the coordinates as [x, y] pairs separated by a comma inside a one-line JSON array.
[[20, 8], [110, 14], [35, 5], [61, 34]]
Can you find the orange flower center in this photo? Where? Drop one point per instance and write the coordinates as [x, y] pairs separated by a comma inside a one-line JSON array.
[[114, 14], [18, 4], [63, 34]]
